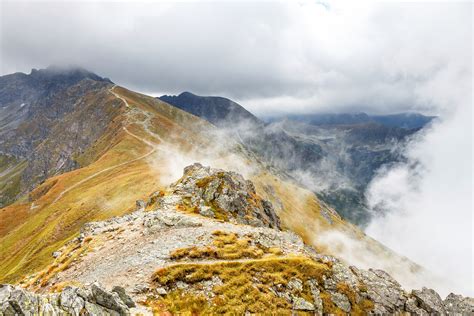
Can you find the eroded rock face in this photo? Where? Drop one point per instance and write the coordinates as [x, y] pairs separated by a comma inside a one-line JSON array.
[[429, 300], [92, 300], [456, 305], [218, 193]]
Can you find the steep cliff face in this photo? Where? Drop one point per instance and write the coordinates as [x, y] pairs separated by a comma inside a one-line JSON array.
[[48, 119], [175, 254]]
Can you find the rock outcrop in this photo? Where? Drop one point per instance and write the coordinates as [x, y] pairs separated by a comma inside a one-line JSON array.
[[91, 300], [225, 195]]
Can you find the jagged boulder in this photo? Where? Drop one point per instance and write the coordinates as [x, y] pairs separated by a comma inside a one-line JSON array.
[[92, 300], [458, 305], [429, 300], [225, 195]]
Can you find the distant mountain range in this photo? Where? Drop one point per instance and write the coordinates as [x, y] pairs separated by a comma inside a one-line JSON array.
[[407, 120], [335, 155]]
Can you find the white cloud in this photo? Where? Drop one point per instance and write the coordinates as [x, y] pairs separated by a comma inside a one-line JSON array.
[[429, 200]]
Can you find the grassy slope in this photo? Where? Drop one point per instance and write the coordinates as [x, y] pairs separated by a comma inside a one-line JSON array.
[[10, 176], [45, 224]]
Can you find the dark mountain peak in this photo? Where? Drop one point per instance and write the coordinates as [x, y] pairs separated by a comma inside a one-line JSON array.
[[186, 94], [217, 110]]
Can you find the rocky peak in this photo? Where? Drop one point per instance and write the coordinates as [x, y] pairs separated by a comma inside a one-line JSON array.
[[225, 195], [68, 75]]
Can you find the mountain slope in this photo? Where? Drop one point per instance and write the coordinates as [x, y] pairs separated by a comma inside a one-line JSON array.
[[46, 124]]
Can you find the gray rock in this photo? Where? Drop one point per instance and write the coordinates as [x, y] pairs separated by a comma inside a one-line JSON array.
[[123, 296], [161, 291], [140, 288], [383, 290], [301, 304], [458, 305], [318, 302], [341, 301], [182, 285], [295, 284], [140, 205], [108, 300], [229, 192], [70, 301], [429, 300], [207, 211], [56, 254], [412, 307]]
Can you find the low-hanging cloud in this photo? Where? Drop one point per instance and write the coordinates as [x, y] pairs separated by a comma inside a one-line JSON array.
[[427, 201]]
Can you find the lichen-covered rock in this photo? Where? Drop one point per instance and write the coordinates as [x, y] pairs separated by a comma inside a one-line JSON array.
[[124, 296], [301, 304], [93, 300], [71, 301], [458, 305], [316, 293], [429, 300], [341, 301], [227, 194], [386, 293], [110, 300]]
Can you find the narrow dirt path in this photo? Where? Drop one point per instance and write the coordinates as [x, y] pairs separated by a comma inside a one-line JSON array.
[[118, 96], [75, 185]]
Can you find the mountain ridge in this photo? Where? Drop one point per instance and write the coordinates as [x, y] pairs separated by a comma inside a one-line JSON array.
[[335, 155], [41, 117], [217, 110]]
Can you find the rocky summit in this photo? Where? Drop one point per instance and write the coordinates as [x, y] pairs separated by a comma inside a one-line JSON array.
[[208, 244], [225, 195]]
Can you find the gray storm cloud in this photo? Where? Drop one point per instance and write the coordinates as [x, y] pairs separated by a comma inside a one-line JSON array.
[[272, 56]]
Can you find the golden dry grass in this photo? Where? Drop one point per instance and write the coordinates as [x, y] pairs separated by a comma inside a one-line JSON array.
[[245, 285], [226, 246]]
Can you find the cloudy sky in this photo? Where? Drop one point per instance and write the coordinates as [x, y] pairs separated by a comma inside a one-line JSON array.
[[272, 56], [296, 56]]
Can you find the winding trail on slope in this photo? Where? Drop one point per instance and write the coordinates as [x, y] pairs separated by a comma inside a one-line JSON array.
[[75, 185], [118, 96], [154, 147]]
